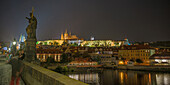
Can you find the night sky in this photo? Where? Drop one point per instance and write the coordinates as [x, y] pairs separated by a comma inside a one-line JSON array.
[[137, 20]]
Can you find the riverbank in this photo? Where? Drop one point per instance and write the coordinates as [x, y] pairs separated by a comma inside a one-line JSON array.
[[145, 68], [84, 69], [121, 67]]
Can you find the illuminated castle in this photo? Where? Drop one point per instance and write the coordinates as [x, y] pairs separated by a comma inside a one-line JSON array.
[[74, 40], [67, 36]]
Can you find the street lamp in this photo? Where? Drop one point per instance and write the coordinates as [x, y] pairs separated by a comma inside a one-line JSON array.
[[13, 49], [14, 43]]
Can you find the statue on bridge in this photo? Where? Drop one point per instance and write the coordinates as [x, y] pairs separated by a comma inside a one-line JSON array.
[[31, 29], [30, 44]]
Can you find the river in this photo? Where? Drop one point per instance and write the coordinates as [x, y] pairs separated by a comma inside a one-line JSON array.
[[122, 77]]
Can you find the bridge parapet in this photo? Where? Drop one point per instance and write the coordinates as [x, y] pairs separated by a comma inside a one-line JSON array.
[[35, 75], [5, 71]]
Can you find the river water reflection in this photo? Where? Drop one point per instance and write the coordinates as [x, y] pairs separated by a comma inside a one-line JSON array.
[[122, 77]]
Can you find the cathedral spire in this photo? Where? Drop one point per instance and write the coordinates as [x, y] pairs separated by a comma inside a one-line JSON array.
[[66, 31], [70, 34], [62, 36]]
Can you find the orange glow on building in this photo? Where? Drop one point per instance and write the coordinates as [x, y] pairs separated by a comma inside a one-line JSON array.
[[121, 62], [43, 54]]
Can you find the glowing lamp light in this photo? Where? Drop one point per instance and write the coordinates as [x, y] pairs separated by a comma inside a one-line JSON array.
[[121, 62], [157, 60], [14, 43], [92, 38], [17, 47], [5, 48], [164, 60]]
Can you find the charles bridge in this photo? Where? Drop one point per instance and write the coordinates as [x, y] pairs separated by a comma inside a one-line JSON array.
[[28, 71], [32, 74]]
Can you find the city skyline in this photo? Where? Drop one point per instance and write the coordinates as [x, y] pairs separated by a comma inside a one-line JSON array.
[[116, 20]]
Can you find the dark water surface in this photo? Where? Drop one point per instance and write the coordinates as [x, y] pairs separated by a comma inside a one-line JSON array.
[[122, 77]]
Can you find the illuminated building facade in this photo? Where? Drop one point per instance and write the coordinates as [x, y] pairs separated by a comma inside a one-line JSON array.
[[75, 41], [106, 59], [106, 55], [22, 38], [43, 54], [134, 52], [82, 62], [160, 59], [105, 43], [67, 36], [21, 43], [50, 42]]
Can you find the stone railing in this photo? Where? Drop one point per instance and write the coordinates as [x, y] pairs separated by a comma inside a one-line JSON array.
[[35, 75], [5, 71]]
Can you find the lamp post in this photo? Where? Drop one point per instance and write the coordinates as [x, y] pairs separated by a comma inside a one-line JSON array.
[[14, 43], [14, 47]]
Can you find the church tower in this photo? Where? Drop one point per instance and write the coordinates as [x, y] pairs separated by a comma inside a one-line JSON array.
[[66, 35], [62, 36], [70, 34]]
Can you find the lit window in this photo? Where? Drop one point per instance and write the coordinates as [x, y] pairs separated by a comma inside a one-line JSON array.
[[157, 60], [164, 60]]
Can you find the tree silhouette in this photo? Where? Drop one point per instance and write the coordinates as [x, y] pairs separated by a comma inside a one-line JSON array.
[[139, 61], [64, 58]]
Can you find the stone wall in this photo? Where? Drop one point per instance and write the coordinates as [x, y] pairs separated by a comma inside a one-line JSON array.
[[5, 73], [35, 75], [146, 68]]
